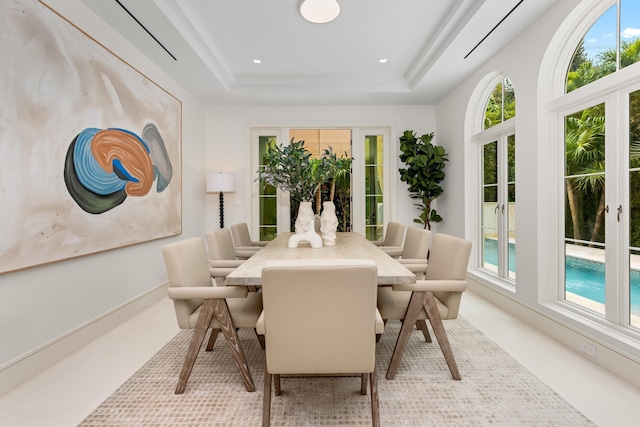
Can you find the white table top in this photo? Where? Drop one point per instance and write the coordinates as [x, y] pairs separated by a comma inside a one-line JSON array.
[[348, 246]]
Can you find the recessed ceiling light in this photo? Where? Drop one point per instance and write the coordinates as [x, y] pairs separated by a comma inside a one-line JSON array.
[[383, 61], [257, 61], [320, 11]]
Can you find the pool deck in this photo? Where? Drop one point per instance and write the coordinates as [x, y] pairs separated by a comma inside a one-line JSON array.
[[596, 254]]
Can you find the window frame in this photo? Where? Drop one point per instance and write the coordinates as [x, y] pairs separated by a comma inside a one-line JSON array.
[[500, 134]]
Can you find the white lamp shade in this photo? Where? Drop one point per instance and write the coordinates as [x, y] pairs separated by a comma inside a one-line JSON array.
[[220, 183], [320, 11]]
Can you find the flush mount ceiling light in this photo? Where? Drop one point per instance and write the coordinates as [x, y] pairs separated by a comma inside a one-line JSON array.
[[320, 11]]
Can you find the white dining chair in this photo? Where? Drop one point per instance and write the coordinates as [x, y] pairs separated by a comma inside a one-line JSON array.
[[320, 317], [435, 298], [199, 305]]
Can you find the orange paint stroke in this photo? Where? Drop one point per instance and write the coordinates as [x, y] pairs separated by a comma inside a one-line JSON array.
[[111, 144]]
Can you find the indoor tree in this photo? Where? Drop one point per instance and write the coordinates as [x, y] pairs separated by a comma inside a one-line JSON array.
[[424, 173]]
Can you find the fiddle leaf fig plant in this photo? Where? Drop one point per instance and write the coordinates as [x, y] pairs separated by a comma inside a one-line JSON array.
[[424, 173]]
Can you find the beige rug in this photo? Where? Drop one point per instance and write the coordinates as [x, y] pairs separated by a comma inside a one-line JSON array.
[[495, 390]]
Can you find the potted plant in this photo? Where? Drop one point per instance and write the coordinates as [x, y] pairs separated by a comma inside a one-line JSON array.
[[290, 168], [424, 173], [337, 170]]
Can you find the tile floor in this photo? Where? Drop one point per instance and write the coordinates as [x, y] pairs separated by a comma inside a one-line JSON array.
[[67, 392]]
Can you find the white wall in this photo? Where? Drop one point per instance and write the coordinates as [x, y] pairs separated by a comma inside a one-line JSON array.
[[228, 144], [41, 304]]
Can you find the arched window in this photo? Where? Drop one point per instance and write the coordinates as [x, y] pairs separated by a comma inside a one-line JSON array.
[[599, 116], [497, 196], [608, 46]]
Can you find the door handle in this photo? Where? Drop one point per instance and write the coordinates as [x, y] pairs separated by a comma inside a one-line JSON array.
[[619, 212]]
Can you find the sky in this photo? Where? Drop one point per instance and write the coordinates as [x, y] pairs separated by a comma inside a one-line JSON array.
[[601, 35]]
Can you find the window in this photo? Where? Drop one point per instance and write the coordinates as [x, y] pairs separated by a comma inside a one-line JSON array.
[[600, 122], [373, 196], [609, 45], [497, 238], [267, 198]]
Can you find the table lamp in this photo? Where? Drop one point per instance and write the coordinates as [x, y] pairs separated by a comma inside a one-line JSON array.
[[220, 183]]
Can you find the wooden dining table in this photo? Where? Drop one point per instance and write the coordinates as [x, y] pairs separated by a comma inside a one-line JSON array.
[[348, 246]]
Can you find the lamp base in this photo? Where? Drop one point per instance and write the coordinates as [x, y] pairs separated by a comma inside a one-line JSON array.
[[221, 210]]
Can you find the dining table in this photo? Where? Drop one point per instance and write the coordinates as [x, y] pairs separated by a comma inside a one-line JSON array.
[[349, 245]]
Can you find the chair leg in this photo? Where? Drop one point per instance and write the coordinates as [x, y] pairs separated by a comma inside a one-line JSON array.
[[375, 407], [204, 320], [363, 384], [266, 400], [276, 383], [212, 339], [410, 317], [260, 338], [422, 325], [430, 306], [221, 311]]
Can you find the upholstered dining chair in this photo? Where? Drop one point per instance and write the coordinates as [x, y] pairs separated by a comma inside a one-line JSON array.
[[415, 250], [201, 306], [223, 257], [242, 237], [393, 239], [242, 240], [306, 337], [435, 298]]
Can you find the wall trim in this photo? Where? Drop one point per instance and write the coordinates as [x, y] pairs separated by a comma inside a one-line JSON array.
[[608, 358], [28, 365]]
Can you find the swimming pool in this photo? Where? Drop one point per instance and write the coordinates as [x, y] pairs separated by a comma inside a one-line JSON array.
[[583, 277]]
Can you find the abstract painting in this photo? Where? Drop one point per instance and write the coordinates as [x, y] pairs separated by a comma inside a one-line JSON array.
[[90, 147]]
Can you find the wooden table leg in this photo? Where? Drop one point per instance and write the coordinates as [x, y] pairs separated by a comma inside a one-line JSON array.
[[221, 311]]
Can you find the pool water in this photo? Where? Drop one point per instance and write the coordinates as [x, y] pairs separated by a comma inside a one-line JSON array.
[[583, 277]]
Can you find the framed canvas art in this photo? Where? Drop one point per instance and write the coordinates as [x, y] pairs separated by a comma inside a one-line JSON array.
[[90, 147]]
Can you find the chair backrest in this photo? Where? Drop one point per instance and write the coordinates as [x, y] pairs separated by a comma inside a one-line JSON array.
[[220, 244], [416, 243], [186, 263], [394, 235], [330, 328], [449, 258], [240, 234]]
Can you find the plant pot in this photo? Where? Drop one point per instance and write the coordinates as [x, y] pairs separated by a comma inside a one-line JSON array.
[[328, 223], [305, 228], [305, 218]]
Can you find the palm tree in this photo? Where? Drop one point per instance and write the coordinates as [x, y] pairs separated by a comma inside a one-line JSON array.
[[584, 148]]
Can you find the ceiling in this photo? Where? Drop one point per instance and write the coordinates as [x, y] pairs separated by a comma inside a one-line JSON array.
[[214, 44]]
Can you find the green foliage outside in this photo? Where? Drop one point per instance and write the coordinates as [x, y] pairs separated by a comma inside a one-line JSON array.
[[585, 148], [501, 105], [424, 173]]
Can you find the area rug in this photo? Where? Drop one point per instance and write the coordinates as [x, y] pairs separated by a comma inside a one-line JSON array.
[[495, 389]]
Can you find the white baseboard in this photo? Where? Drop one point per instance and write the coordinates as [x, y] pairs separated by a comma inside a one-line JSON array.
[[28, 365], [607, 357]]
